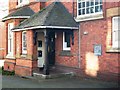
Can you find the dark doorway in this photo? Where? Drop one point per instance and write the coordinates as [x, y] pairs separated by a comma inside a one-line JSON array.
[[51, 51]]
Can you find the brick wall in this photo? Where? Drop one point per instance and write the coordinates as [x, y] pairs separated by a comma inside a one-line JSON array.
[[70, 60], [99, 32], [25, 64], [2, 42], [69, 5], [35, 6]]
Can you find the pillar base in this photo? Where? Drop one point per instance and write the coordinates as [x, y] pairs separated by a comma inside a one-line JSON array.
[[46, 71]]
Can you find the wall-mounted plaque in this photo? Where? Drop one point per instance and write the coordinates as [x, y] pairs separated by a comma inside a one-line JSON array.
[[97, 49]]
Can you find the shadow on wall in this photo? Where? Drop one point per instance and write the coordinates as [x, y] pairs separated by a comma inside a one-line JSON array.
[[92, 64]]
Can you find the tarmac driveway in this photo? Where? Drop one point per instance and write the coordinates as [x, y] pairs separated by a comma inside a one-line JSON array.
[[18, 82]]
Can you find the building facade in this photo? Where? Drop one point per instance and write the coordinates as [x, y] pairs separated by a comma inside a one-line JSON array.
[[4, 12], [81, 34]]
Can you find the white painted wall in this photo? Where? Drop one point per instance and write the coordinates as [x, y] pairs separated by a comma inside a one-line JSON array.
[[1, 63]]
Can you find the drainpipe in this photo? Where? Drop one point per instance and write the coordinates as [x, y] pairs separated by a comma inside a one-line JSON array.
[[78, 37], [79, 59]]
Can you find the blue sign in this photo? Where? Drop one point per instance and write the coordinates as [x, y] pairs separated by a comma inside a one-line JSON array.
[[97, 49]]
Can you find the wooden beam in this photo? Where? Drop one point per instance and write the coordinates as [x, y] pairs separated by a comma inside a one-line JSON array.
[[46, 64]]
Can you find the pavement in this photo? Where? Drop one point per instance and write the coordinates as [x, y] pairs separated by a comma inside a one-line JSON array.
[[64, 82]]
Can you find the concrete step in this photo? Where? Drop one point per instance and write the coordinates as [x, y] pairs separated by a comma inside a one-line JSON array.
[[51, 76]]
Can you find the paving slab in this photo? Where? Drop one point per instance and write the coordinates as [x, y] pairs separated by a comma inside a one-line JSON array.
[[64, 82]]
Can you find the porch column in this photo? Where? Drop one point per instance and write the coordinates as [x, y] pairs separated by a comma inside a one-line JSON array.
[[46, 66]]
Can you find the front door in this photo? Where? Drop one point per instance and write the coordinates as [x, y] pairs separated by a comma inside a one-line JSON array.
[[40, 49], [51, 52]]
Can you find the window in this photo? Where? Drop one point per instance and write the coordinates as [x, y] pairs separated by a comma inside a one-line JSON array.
[[66, 41], [116, 32], [24, 43], [22, 2], [10, 39], [87, 9]]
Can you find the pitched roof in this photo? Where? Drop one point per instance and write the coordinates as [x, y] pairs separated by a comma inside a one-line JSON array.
[[23, 12], [53, 15]]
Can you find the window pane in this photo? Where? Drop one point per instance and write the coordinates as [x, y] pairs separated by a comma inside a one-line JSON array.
[[24, 41], [83, 11], [116, 35], [79, 5], [67, 39], [87, 11], [116, 24], [96, 2], [100, 8], [100, 1], [10, 45], [92, 9], [39, 43], [79, 12], [116, 32], [87, 4], [92, 3], [40, 53], [21, 1], [83, 4], [97, 9]]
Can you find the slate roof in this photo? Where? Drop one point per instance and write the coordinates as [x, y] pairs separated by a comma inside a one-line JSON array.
[[21, 12], [53, 15]]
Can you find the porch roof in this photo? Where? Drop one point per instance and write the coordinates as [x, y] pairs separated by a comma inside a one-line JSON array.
[[23, 12], [53, 16]]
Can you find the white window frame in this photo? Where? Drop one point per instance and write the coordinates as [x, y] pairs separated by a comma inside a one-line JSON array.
[[24, 2], [90, 16], [10, 39], [115, 28], [65, 43], [24, 51]]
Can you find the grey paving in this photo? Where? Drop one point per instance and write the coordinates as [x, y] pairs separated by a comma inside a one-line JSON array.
[[18, 82]]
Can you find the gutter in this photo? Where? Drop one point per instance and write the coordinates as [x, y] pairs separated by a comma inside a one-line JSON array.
[[44, 27], [4, 19]]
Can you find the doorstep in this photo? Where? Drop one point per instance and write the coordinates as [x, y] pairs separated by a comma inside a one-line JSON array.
[[39, 76], [55, 72], [51, 76]]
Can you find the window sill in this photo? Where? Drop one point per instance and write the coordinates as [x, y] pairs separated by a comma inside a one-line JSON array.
[[89, 17], [24, 56], [10, 56], [21, 5], [65, 53], [113, 50]]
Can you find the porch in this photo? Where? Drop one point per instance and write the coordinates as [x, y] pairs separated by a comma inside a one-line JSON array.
[[43, 27]]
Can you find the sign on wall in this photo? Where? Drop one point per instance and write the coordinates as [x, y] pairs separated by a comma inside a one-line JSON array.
[[97, 49]]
